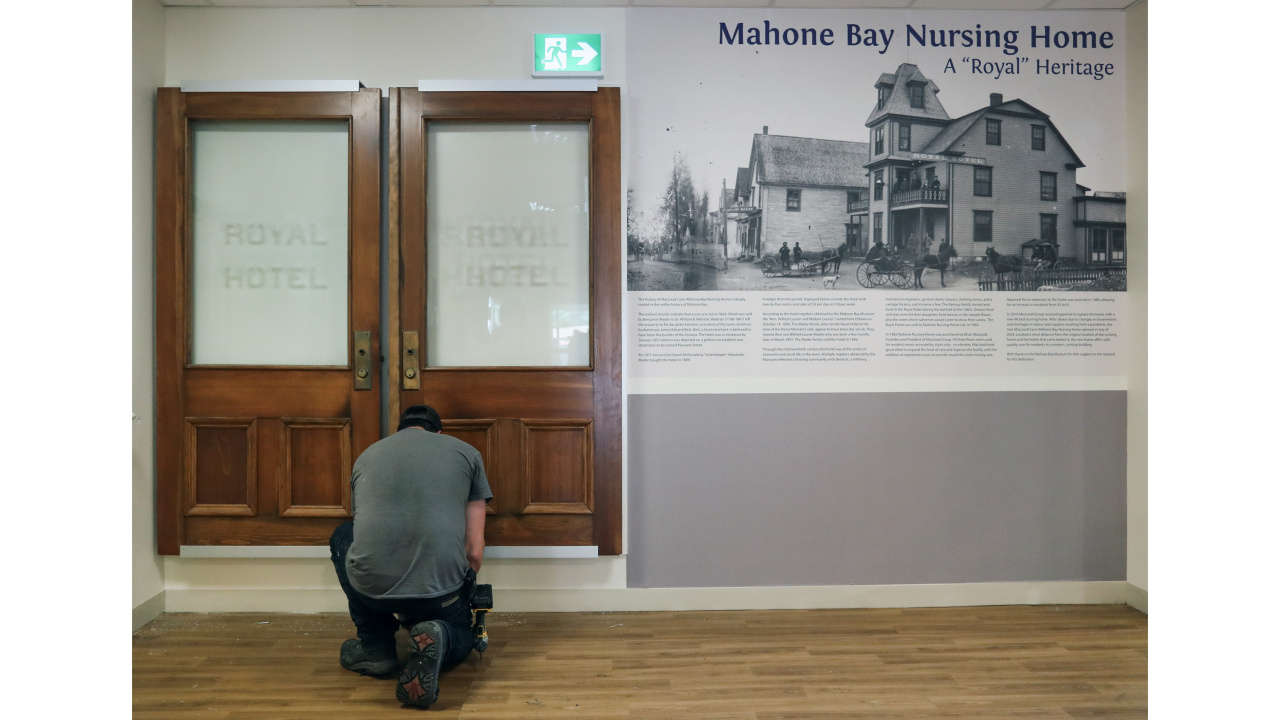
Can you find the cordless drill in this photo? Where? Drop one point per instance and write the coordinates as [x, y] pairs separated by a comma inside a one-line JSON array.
[[481, 602]]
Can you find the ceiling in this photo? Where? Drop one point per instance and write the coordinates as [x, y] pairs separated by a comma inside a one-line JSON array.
[[835, 4]]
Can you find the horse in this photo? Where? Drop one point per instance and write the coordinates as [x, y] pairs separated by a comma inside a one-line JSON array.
[[939, 262], [1002, 264], [828, 258]]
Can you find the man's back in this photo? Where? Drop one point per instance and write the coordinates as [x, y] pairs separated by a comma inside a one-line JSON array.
[[409, 493]]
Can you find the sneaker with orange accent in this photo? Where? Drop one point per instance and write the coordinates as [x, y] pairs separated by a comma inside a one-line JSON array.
[[419, 682]]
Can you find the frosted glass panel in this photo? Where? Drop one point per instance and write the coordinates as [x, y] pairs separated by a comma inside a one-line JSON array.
[[270, 243], [508, 245]]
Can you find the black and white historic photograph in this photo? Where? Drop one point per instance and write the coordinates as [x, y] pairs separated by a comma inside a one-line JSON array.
[[864, 174]]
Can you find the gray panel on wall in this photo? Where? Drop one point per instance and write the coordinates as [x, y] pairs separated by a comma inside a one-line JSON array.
[[875, 488]]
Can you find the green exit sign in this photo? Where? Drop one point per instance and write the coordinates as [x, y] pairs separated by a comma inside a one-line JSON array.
[[566, 56]]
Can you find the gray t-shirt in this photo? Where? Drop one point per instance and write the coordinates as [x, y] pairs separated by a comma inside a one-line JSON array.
[[409, 494]]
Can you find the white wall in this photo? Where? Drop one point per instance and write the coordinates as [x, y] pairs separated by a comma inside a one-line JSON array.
[[1136, 30], [380, 46], [148, 73], [386, 47]]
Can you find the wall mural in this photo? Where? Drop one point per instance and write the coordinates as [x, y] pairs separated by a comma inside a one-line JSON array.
[[879, 193]]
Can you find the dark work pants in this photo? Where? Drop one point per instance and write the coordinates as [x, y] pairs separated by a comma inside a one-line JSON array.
[[375, 619]]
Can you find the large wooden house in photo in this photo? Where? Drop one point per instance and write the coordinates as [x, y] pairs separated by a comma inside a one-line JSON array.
[[803, 190], [1000, 177]]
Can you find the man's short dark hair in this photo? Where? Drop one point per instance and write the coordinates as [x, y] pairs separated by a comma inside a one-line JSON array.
[[422, 416]]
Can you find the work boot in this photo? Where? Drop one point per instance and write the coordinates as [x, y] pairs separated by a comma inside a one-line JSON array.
[[356, 659], [419, 683]]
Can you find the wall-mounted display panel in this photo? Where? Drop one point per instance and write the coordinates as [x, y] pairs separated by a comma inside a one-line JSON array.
[[918, 229]]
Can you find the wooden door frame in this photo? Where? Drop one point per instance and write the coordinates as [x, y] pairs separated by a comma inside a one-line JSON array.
[[603, 112], [174, 111]]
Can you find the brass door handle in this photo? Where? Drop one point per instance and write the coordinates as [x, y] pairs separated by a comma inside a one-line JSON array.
[[363, 360]]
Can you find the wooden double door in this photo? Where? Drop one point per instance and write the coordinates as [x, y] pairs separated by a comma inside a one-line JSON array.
[[502, 280]]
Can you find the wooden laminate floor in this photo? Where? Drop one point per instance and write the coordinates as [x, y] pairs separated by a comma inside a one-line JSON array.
[[1085, 661]]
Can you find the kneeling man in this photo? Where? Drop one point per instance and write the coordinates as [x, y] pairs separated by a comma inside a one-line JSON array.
[[418, 500]]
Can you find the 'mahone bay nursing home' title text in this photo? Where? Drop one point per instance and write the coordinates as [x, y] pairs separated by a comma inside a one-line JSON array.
[[1008, 42]]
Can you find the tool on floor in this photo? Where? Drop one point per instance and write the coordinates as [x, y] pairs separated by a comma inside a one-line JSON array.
[[481, 602]]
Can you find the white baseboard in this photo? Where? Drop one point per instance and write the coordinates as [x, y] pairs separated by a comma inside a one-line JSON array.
[[797, 598], [148, 610], [276, 600], [312, 600], [321, 552], [1136, 597]]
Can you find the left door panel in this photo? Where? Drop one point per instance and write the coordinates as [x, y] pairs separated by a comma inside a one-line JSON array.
[[267, 310]]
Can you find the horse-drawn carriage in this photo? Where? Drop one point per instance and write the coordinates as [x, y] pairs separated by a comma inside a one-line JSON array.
[[827, 259], [1043, 255], [773, 267], [882, 265], [893, 269]]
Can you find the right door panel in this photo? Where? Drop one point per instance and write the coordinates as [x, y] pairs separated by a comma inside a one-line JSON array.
[[507, 315]]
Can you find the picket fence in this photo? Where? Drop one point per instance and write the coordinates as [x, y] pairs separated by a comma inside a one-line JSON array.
[[1034, 280]]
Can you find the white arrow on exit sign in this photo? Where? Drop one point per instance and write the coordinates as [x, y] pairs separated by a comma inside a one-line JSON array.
[[585, 55]]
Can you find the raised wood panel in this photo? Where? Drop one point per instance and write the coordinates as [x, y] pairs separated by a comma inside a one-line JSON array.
[[481, 435], [317, 472], [539, 530], [260, 530], [508, 393], [221, 466], [261, 392], [558, 467], [268, 106], [544, 106]]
